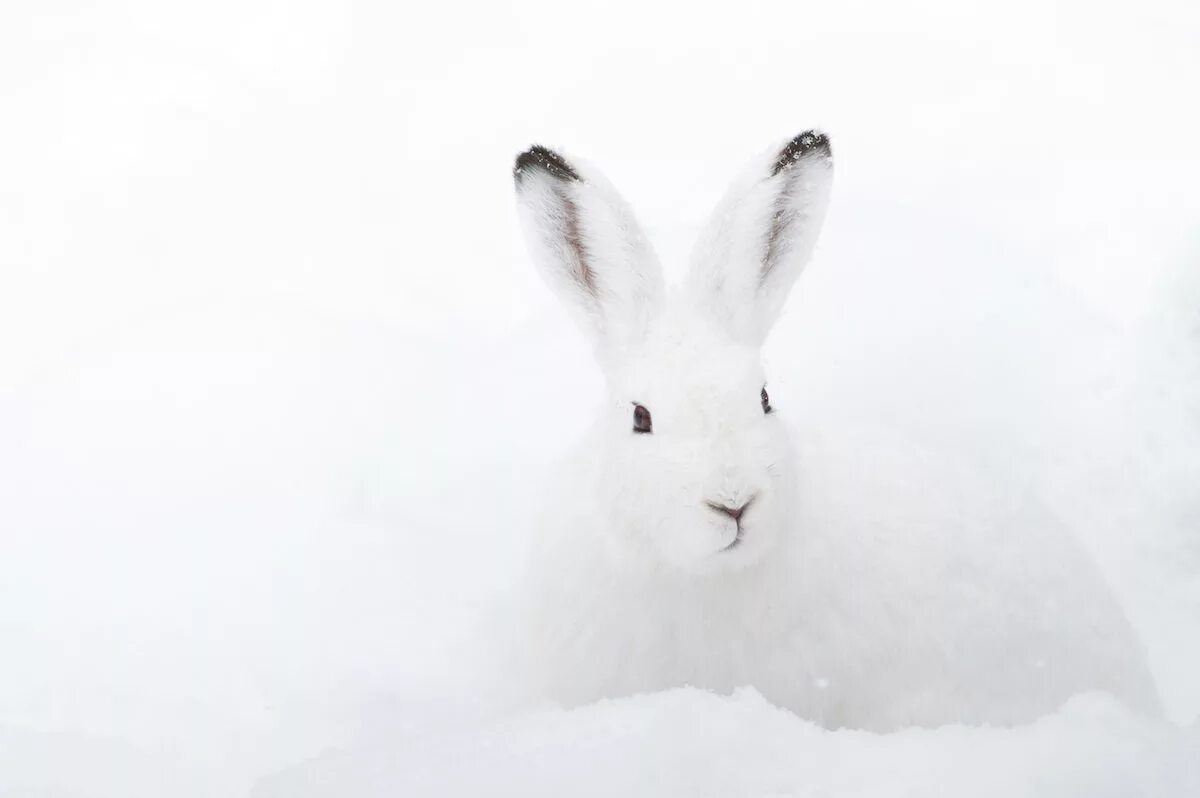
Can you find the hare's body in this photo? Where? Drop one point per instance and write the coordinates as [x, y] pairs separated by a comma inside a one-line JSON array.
[[686, 543], [966, 612]]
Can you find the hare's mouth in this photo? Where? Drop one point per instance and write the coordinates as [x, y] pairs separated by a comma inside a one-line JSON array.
[[736, 514]]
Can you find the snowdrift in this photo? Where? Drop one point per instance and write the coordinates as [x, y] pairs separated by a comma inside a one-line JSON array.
[[690, 743]]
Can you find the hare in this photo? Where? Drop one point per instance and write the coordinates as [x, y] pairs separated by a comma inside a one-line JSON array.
[[689, 540]]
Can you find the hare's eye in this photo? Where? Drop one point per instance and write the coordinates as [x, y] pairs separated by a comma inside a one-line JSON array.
[[641, 419], [766, 401]]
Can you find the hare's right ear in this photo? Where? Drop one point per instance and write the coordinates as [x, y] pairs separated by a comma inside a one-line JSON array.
[[588, 247]]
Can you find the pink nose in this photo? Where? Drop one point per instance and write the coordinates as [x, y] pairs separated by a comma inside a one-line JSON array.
[[733, 512]]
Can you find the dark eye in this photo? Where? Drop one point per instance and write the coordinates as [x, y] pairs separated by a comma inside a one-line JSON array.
[[766, 400], [641, 419]]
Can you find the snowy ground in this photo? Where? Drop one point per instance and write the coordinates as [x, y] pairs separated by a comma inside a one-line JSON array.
[[685, 742], [270, 351]]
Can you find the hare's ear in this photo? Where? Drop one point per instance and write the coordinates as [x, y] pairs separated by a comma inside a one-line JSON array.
[[588, 247], [761, 236]]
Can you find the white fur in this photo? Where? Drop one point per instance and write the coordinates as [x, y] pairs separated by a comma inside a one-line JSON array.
[[839, 610]]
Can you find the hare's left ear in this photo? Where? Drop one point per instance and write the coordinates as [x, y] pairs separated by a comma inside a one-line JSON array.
[[761, 237], [589, 248]]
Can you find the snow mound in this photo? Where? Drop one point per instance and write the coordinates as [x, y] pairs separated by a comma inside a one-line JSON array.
[[689, 742]]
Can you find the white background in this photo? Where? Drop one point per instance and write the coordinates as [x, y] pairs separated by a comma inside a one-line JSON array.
[[276, 378]]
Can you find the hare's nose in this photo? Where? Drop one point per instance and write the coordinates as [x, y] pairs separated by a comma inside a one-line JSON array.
[[733, 512]]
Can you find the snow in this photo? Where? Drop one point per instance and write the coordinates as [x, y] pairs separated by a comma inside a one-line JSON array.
[[277, 379], [687, 742]]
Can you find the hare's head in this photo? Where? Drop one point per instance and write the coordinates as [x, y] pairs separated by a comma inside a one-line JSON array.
[[696, 471]]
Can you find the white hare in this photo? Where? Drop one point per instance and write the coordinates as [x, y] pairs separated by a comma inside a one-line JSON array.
[[687, 542]]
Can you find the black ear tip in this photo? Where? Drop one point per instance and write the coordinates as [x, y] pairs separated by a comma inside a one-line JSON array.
[[810, 142], [545, 159]]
